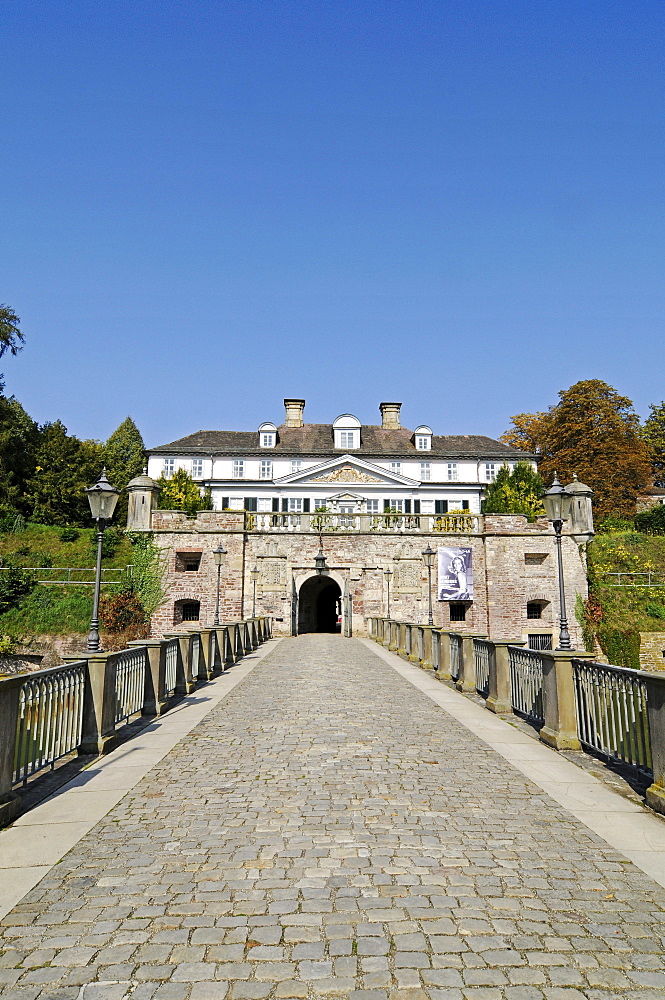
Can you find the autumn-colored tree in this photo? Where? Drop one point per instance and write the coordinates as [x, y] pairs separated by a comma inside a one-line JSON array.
[[593, 432], [654, 435]]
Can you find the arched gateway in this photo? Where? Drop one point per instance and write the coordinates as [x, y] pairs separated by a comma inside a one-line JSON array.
[[319, 605]]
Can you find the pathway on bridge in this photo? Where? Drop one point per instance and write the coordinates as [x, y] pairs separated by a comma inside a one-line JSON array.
[[327, 829]]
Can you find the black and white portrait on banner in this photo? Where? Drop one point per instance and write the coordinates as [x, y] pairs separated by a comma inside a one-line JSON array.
[[455, 575]]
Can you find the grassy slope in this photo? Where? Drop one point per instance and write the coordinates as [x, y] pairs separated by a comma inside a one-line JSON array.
[[641, 608], [52, 609]]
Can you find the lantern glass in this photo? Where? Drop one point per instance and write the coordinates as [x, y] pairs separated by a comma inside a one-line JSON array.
[[388, 573], [557, 502], [102, 498], [255, 573], [428, 556], [218, 554]]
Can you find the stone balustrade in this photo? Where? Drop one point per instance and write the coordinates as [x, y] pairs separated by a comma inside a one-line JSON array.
[[574, 702], [85, 705]]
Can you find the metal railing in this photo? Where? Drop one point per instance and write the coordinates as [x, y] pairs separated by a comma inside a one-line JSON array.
[[611, 706], [71, 575], [455, 655], [526, 683], [646, 579], [171, 668], [483, 651], [50, 719], [129, 683]]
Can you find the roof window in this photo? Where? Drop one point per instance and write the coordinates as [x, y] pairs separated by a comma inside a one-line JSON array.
[[267, 435], [423, 438], [346, 432]]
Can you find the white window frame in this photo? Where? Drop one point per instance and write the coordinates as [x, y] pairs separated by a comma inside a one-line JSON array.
[[396, 467], [265, 470], [397, 505], [453, 472], [168, 467], [490, 471], [423, 442], [295, 505], [197, 468], [238, 468], [267, 439], [425, 472], [264, 505], [373, 506], [296, 465], [348, 438]]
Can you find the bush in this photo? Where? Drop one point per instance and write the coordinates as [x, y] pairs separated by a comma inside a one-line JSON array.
[[110, 541], [611, 525], [69, 534], [655, 610], [621, 647], [15, 584], [122, 611], [652, 520]]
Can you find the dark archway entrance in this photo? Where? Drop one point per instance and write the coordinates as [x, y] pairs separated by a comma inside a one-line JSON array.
[[319, 605]]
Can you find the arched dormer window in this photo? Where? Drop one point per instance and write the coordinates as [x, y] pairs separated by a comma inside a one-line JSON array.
[[422, 437], [346, 432], [267, 435]]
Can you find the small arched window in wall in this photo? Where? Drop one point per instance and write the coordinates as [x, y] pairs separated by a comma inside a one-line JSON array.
[[534, 609]]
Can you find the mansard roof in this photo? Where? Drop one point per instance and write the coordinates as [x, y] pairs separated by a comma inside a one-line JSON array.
[[316, 440]]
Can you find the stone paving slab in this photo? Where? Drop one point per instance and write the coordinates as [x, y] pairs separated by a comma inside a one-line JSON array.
[[328, 831]]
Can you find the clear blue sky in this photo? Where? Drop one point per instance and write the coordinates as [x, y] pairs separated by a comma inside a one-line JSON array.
[[208, 206]]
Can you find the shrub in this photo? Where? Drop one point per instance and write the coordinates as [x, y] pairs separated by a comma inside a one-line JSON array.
[[110, 541], [69, 534], [651, 520], [611, 525], [655, 610], [621, 647], [15, 584], [121, 611]]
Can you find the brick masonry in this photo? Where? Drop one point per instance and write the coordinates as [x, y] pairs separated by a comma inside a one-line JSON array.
[[504, 581]]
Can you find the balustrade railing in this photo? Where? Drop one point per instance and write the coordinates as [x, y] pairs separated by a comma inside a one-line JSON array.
[[526, 683], [82, 705], [50, 717], [456, 522], [483, 651], [455, 655], [611, 704]]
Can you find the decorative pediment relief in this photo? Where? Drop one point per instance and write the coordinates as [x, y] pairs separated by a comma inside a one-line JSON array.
[[346, 474]]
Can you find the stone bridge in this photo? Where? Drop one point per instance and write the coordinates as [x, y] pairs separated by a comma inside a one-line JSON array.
[[327, 820]]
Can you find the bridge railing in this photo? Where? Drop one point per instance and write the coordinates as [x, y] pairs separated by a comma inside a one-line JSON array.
[[574, 702], [85, 704]]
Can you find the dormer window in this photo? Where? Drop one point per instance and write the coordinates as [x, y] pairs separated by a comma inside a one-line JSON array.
[[346, 431], [423, 438], [267, 435]]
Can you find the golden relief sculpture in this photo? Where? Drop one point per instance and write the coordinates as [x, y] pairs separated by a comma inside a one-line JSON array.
[[346, 474]]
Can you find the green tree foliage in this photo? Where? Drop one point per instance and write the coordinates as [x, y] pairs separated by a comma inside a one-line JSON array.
[[654, 435], [180, 492], [594, 432], [11, 338], [148, 567], [15, 584], [19, 441], [516, 492], [651, 520], [125, 457], [64, 467]]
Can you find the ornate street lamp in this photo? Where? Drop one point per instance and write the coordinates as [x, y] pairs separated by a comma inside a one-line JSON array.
[[102, 498], [218, 555], [388, 575], [254, 573], [320, 562], [557, 503], [429, 556]]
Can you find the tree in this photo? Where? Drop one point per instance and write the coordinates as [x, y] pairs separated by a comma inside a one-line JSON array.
[[124, 457], [654, 435], [529, 432], [11, 338], [64, 467], [180, 492], [516, 492], [594, 432], [19, 440]]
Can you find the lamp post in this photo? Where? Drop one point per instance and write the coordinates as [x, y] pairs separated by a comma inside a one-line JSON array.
[[218, 555], [388, 574], [102, 498], [557, 507], [320, 562], [254, 573], [428, 558]]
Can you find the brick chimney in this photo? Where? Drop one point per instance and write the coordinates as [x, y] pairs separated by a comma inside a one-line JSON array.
[[390, 416], [294, 411]]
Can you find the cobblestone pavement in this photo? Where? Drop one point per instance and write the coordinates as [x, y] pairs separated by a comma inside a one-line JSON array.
[[329, 831]]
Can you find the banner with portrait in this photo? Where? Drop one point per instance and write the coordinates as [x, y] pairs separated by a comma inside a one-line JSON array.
[[455, 574]]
